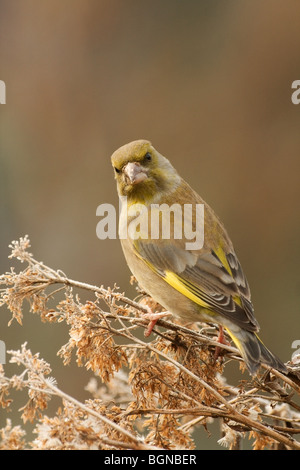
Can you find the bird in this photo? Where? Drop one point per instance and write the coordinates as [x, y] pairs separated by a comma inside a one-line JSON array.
[[204, 283]]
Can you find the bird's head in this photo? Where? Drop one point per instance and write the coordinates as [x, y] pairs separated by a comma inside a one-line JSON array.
[[142, 173]]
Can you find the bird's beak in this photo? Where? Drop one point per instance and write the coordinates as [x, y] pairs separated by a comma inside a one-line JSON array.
[[135, 172]]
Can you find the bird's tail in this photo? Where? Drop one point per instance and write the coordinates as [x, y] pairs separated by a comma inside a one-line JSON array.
[[254, 352]]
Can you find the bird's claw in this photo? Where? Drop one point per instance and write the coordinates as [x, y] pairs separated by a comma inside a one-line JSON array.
[[222, 340], [153, 317]]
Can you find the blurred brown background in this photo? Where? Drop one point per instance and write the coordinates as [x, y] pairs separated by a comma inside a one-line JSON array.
[[208, 82]]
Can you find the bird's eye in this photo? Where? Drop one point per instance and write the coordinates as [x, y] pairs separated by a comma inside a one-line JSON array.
[[117, 170], [148, 156]]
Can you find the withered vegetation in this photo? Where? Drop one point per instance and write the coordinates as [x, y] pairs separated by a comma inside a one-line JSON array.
[[153, 395]]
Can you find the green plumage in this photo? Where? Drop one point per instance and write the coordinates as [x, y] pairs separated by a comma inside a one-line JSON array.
[[207, 284]]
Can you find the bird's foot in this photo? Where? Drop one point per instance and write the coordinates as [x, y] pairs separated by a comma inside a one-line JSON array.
[[222, 340], [153, 317]]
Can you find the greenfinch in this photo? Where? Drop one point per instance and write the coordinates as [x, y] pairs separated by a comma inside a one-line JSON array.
[[196, 283]]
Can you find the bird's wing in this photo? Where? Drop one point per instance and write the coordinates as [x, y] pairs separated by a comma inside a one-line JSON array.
[[213, 280]]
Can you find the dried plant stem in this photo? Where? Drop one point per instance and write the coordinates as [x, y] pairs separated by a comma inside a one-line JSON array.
[[136, 443], [174, 383], [232, 413], [99, 290]]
